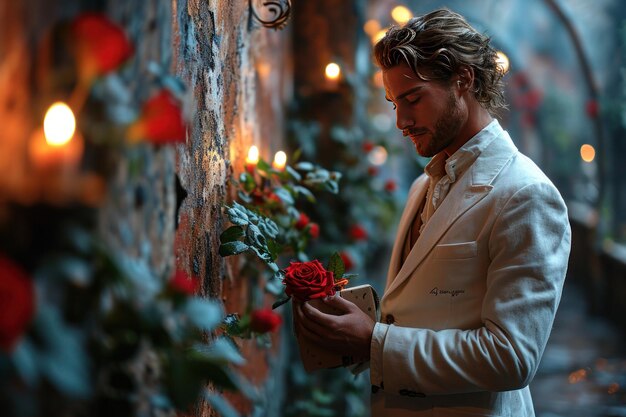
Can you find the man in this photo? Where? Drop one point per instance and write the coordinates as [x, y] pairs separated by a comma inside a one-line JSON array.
[[480, 257]]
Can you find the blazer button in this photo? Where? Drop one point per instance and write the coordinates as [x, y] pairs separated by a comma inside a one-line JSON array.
[[390, 319], [375, 389]]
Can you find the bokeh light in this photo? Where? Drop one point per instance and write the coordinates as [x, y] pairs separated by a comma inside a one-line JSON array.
[[587, 153], [378, 156], [59, 124], [332, 71], [371, 27], [401, 14]]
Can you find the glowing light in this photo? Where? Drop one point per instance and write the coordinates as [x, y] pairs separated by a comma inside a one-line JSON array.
[[59, 124], [502, 61], [401, 14], [332, 71], [379, 35], [280, 160], [378, 156], [253, 155], [587, 153], [371, 27]]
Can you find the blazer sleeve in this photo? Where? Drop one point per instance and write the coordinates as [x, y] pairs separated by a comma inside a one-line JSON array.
[[529, 248]]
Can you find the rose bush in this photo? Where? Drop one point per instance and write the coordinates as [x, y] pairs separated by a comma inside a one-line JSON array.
[[308, 280], [16, 303]]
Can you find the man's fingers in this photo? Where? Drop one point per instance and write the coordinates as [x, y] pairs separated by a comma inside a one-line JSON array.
[[339, 303]]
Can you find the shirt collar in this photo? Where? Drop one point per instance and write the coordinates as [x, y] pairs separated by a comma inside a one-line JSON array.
[[458, 162]]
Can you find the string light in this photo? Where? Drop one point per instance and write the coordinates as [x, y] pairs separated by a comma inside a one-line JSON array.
[[587, 153]]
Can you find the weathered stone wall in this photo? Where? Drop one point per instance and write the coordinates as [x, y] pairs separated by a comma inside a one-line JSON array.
[[238, 77]]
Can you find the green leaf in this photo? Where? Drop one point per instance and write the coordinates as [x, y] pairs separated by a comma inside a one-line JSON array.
[[232, 248], [280, 302], [335, 265], [205, 314], [222, 350], [294, 174], [255, 237], [219, 404], [306, 192], [232, 234], [305, 166], [284, 195], [237, 216], [350, 276], [263, 166]]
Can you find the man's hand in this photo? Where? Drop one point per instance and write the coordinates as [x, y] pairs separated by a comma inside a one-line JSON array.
[[348, 334]]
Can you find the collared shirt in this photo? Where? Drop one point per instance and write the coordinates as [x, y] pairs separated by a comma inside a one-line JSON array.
[[444, 172]]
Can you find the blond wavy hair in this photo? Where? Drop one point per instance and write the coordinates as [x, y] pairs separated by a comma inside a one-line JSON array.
[[436, 45]]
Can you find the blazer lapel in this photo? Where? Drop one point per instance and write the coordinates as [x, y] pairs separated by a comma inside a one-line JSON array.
[[467, 192], [413, 203]]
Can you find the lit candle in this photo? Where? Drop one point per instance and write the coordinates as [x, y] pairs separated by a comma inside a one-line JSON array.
[[280, 160], [332, 74], [57, 144], [252, 159]]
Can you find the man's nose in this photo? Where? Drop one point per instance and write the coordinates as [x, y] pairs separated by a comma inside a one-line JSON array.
[[403, 120]]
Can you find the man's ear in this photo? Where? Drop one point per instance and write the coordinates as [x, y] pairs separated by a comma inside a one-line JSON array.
[[465, 78]]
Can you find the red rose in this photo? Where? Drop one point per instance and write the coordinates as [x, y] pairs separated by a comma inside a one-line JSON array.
[[302, 222], [367, 146], [390, 186], [264, 320], [592, 108], [357, 232], [161, 120], [347, 260], [184, 283], [314, 230], [101, 45], [372, 171], [308, 280], [17, 303]]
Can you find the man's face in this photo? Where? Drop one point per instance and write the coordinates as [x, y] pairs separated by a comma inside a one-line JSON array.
[[429, 112]]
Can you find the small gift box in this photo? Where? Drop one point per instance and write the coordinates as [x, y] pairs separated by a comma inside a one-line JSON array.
[[315, 357]]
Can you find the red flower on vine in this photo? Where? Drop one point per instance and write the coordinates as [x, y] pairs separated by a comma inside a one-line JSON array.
[[101, 46], [592, 108], [161, 120], [302, 222], [391, 186], [358, 232], [17, 303], [184, 283], [314, 230], [265, 320]]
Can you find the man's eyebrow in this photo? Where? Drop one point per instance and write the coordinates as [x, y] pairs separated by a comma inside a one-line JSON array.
[[406, 93]]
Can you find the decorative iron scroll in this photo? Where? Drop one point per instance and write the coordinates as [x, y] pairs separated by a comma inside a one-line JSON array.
[[279, 10]]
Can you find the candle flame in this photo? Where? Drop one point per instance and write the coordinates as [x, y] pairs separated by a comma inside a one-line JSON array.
[[332, 71], [253, 155], [59, 124], [280, 160]]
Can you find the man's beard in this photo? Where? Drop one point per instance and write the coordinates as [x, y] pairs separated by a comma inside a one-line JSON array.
[[446, 128]]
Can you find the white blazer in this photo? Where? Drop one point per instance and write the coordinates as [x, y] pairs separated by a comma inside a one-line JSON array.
[[466, 318]]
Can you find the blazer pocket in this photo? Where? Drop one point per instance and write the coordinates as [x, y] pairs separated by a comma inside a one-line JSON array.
[[463, 250]]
